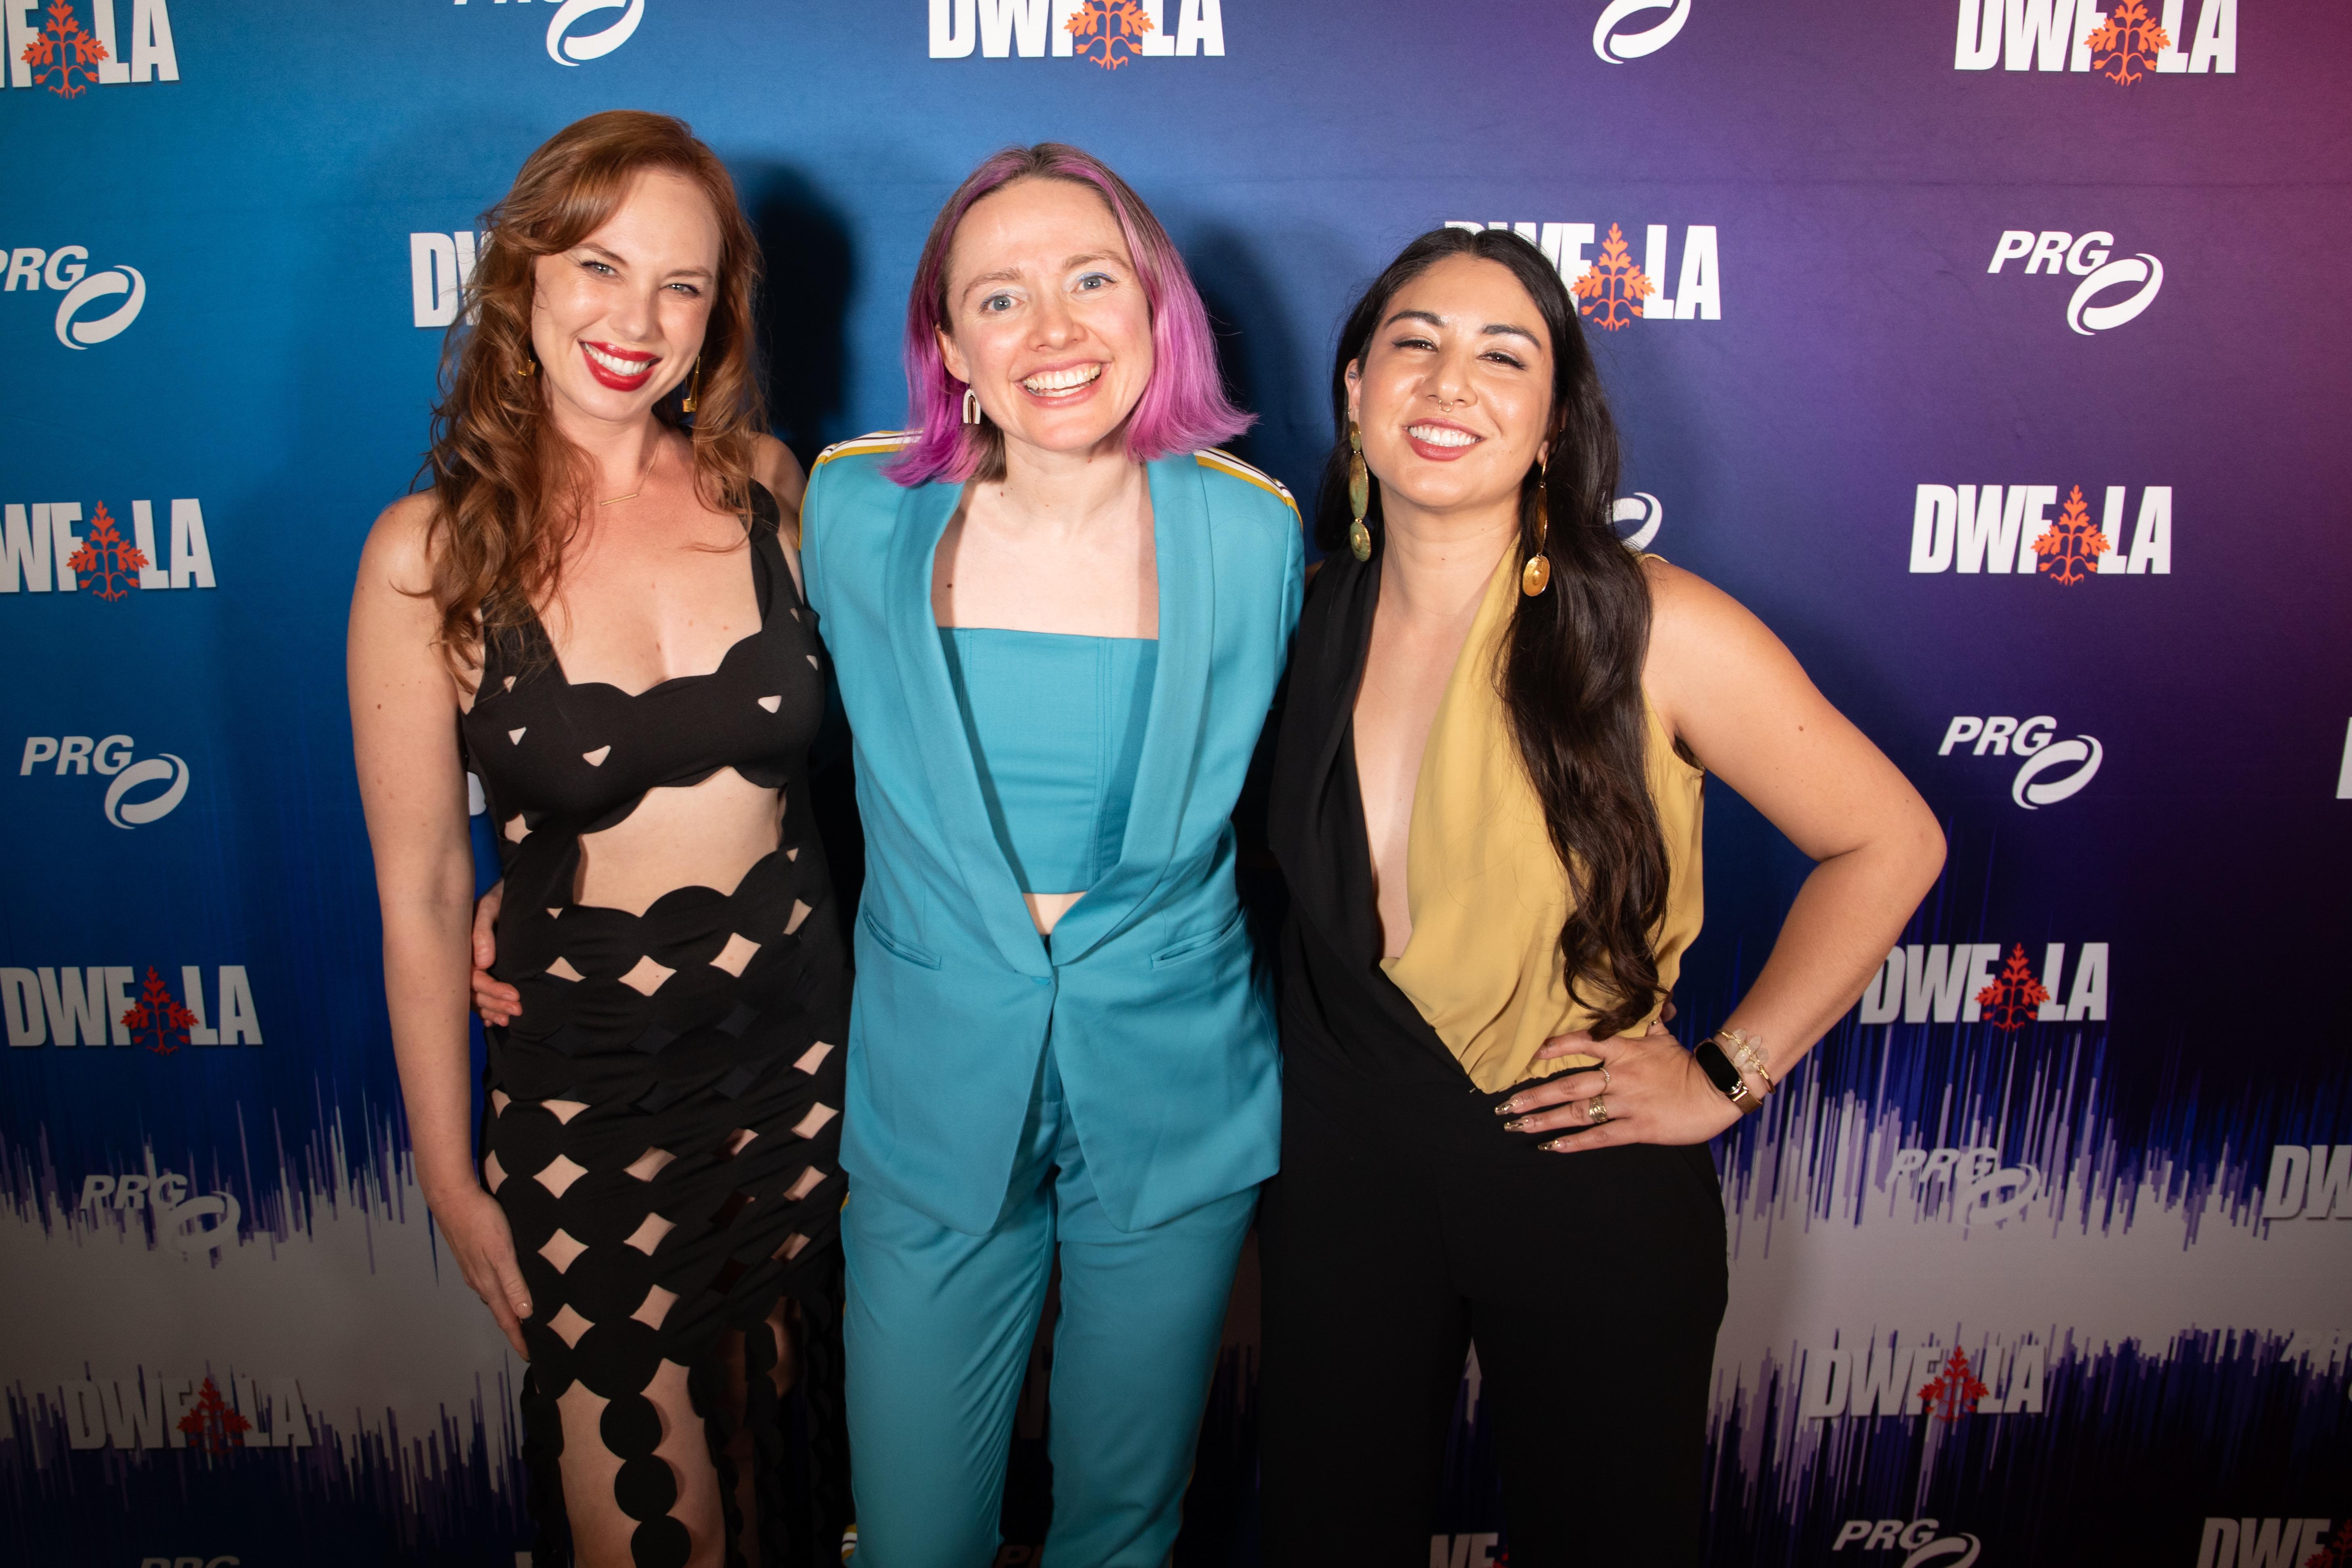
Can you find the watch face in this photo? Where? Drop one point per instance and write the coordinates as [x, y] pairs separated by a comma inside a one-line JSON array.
[[1719, 1070]]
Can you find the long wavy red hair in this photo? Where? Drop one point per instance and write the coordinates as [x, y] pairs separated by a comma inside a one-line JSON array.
[[508, 489]]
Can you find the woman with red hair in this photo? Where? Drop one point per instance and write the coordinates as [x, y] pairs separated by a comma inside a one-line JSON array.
[[594, 610], [1060, 619]]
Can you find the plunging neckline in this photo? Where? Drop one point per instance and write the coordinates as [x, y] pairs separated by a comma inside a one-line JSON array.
[[763, 588]]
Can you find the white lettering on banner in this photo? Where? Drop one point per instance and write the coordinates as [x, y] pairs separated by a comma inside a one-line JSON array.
[[568, 45], [2075, 763], [1971, 1186], [94, 1006], [1474, 1551], [440, 265], [2262, 1542], [153, 1410], [1915, 1536], [2085, 256], [200, 1224], [1611, 276], [1957, 983], [2315, 1183], [1883, 1376], [65, 269], [2123, 42], [40, 552], [112, 756], [2343, 773], [58, 52], [2007, 530], [1110, 33]]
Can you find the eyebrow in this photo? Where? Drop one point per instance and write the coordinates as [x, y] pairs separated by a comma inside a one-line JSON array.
[[1492, 328]]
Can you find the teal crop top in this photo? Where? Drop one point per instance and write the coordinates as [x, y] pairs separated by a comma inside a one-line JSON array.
[[1056, 724]]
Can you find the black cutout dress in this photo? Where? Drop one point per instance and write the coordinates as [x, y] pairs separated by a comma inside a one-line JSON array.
[[663, 1126]]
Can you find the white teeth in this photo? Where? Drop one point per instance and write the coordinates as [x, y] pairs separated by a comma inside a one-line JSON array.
[[614, 363], [1062, 381], [1441, 435]]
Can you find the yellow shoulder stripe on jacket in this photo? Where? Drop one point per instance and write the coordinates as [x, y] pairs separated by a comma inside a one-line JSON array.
[[1227, 463], [877, 441]]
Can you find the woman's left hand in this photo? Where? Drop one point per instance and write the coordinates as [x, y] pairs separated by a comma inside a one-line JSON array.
[[1650, 1087]]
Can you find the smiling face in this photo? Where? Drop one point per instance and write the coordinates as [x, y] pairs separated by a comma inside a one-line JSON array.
[[1454, 389], [1047, 321], [618, 319]]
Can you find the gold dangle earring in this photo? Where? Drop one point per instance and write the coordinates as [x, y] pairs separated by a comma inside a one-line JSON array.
[[694, 392], [529, 366], [1359, 496], [970, 406], [1536, 575]]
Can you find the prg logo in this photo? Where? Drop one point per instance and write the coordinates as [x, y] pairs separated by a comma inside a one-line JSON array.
[[1611, 292], [111, 757], [2084, 255], [1109, 33], [2033, 739], [1617, 47], [66, 270], [2125, 45], [1915, 1536], [60, 55], [568, 47], [192, 1223]]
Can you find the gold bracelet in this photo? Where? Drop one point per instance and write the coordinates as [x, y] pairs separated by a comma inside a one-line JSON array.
[[1748, 1053]]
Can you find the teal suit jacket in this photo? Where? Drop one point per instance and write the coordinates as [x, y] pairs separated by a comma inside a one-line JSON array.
[[1161, 1031]]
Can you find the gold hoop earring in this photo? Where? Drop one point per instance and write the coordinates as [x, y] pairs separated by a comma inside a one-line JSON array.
[[1360, 495], [970, 406], [1536, 575], [694, 392], [529, 366]]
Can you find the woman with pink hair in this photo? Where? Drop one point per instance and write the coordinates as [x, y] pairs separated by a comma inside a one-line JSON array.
[[1058, 619]]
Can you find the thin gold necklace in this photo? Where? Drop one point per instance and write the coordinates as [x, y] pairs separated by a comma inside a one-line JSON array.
[[641, 479]]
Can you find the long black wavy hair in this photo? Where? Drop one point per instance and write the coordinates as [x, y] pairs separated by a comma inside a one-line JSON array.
[[1570, 673]]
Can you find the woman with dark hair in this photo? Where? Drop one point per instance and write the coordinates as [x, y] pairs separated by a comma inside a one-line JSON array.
[[595, 610], [1485, 801], [1059, 622]]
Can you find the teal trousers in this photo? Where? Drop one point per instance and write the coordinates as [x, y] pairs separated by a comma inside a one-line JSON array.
[[939, 1328]]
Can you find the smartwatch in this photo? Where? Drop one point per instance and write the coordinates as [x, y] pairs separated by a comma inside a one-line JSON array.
[[1725, 1077]]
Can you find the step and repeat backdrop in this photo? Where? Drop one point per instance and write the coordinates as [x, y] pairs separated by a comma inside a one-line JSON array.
[[1993, 351]]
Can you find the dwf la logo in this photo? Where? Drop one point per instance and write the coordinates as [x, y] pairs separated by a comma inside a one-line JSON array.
[[200, 1224], [1110, 33], [570, 44], [2053, 770], [130, 802], [2084, 255], [1882, 1375], [1970, 982], [66, 270], [94, 1006], [209, 1411], [1475, 1550], [1617, 47], [2008, 529], [59, 53], [39, 551], [2274, 1543], [439, 267], [1610, 291], [2315, 1182], [1916, 1536], [2123, 45]]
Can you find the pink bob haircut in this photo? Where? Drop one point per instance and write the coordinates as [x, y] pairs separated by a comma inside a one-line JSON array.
[[1183, 407]]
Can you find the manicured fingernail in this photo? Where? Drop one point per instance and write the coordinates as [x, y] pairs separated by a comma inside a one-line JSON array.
[[1518, 1126], [1507, 1108], [1558, 1146]]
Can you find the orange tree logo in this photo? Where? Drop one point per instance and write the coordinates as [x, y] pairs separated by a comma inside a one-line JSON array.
[[2124, 47], [1109, 32], [1613, 291], [107, 557], [2070, 548], [159, 1013], [2010, 1002], [211, 1424], [61, 49], [1956, 1384]]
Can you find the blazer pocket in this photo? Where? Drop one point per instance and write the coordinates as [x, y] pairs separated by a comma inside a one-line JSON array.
[[907, 950], [1192, 946]]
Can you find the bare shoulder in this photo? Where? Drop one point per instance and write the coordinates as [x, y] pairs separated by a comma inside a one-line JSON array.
[[1701, 638], [400, 551], [773, 465]]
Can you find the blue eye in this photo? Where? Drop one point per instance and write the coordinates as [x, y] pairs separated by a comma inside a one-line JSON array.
[[1094, 280]]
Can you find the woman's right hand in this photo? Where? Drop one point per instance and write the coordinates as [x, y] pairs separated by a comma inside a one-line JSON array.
[[498, 1002], [476, 1230]]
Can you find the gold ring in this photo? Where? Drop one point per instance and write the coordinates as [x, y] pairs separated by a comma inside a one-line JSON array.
[[1596, 1110], [1604, 1078]]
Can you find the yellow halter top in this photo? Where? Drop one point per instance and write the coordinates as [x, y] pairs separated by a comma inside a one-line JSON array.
[[1487, 891]]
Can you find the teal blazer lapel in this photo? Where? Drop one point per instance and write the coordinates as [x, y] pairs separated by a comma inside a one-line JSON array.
[[1173, 733], [935, 729]]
